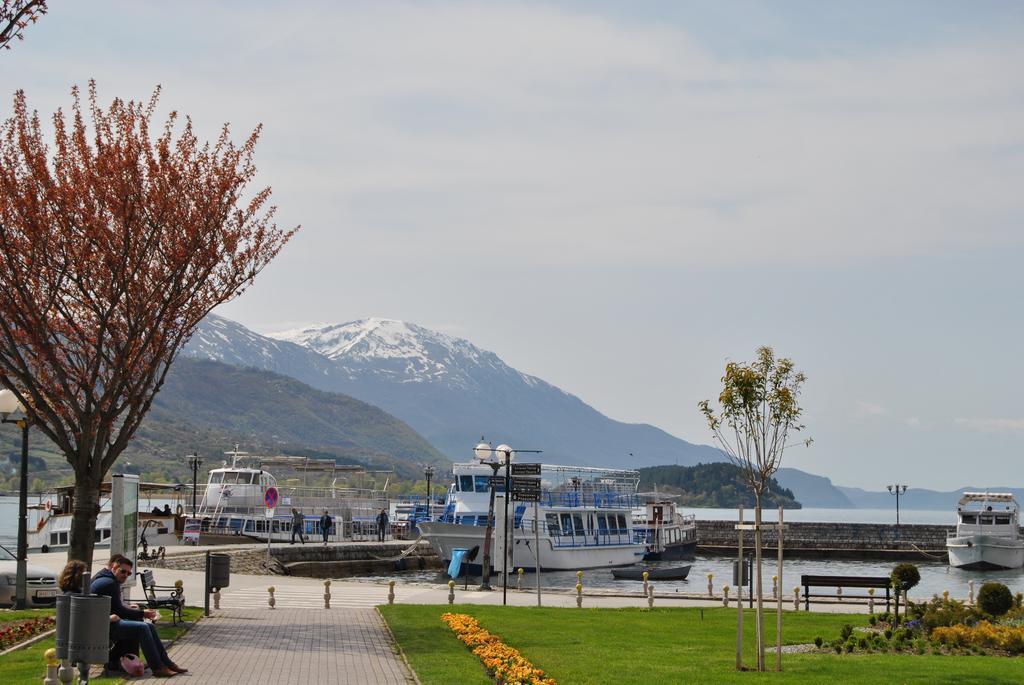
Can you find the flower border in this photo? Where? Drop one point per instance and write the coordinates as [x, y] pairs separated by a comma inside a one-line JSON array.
[[505, 664]]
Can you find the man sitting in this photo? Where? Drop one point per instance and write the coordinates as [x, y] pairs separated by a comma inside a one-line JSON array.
[[127, 622]]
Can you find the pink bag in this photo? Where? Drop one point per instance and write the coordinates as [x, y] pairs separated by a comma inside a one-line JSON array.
[[132, 665]]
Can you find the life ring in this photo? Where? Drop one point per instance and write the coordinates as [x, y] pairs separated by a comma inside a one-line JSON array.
[[48, 506], [180, 511]]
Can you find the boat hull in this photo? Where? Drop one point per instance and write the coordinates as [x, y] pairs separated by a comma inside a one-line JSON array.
[[980, 552], [653, 573], [444, 537], [674, 552]]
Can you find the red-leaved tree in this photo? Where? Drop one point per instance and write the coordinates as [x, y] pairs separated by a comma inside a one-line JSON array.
[[15, 17], [113, 246]]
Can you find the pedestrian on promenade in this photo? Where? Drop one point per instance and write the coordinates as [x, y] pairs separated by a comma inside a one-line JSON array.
[[70, 579], [382, 524], [298, 523], [325, 526], [129, 622]]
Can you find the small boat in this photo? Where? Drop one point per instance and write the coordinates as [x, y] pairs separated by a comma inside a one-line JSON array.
[[669, 535], [653, 573], [987, 532]]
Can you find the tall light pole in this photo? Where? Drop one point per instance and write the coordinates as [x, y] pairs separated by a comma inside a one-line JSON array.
[[506, 453], [484, 453], [8, 405], [897, 490], [428, 473], [194, 463]]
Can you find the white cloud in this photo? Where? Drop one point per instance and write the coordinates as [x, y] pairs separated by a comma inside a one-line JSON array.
[[912, 421], [992, 425], [866, 409]]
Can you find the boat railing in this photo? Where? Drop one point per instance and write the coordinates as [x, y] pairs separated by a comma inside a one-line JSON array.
[[579, 537], [600, 500]]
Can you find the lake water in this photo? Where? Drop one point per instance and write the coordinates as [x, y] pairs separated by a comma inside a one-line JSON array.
[[935, 576]]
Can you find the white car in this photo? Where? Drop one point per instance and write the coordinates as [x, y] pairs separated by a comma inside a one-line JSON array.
[[40, 587]]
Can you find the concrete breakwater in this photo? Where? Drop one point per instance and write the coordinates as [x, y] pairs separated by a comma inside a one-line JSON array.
[[834, 540], [316, 561]]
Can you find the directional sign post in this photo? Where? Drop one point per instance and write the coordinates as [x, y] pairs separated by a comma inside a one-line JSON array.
[[526, 489], [525, 469]]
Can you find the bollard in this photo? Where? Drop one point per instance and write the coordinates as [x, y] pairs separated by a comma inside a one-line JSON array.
[[775, 587], [711, 589], [66, 674], [451, 592], [871, 600], [391, 592], [579, 595], [839, 593], [272, 602], [216, 598], [970, 593], [796, 598], [52, 663], [519, 581], [650, 597], [725, 595], [646, 574], [327, 594]]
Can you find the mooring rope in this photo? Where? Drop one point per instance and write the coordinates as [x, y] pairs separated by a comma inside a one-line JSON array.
[[412, 548], [937, 557]]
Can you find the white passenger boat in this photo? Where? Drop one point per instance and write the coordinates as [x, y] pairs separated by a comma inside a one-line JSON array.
[[987, 532], [669, 535], [584, 519]]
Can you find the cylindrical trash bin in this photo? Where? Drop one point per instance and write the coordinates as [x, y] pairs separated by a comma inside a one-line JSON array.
[[63, 621], [220, 570], [89, 629]]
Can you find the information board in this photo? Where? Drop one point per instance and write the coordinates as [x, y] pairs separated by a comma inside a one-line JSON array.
[[124, 519]]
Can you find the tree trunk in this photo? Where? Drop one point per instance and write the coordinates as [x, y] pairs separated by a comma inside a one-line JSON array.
[[759, 616], [85, 510]]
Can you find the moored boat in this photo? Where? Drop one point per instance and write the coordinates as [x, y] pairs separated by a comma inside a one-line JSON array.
[[653, 572], [669, 535], [987, 532]]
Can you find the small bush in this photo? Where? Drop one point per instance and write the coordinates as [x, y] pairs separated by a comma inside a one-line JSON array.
[[888, 633], [845, 632], [995, 599], [873, 620], [849, 646], [905, 576], [862, 642], [818, 641]]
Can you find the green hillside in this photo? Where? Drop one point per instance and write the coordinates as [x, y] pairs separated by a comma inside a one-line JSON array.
[[208, 407], [720, 484]]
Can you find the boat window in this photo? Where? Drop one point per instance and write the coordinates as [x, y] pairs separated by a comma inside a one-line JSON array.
[[552, 521], [106, 533], [216, 478], [466, 483], [602, 523], [1002, 520], [613, 525], [481, 484], [53, 538], [63, 538], [622, 523], [578, 523], [566, 524], [250, 526], [985, 520], [968, 518]]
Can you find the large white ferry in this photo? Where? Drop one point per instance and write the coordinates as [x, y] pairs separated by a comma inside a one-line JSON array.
[[987, 532], [584, 519]]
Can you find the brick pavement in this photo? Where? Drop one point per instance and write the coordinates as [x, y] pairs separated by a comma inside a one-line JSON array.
[[299, 646]]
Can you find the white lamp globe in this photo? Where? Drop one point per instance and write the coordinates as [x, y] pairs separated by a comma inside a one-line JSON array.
[[8, 402], [503, 450], [483, 452]]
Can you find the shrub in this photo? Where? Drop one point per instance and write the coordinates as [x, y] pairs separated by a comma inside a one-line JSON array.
[[818, 641], [849, 646], [905, 576], [888, 633], [873, 620], [995, 599], [845, 632], [862, 642], [942, 611], [838, 648]]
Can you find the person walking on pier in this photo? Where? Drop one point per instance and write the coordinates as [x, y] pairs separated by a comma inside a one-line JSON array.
[[298, 523], [382, 524], [325, 526]]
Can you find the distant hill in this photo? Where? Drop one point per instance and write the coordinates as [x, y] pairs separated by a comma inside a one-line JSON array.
[[718, 484], [920, 498], [447, 389], [813, 491]]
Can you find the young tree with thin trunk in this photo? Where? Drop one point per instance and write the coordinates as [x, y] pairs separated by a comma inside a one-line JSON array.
[[759, 407], [113, 246]]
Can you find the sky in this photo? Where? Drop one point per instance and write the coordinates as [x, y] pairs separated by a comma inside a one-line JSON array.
[[621, 197]]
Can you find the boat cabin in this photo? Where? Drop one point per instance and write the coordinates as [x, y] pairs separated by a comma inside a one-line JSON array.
[[985, 513]]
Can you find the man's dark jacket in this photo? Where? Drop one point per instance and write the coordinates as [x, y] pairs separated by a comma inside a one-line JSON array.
[[104, 583]]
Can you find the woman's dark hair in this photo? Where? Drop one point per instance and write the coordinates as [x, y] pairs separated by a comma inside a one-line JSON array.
[[70, 579]]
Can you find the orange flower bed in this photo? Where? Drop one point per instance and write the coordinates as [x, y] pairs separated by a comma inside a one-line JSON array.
[[506, 665], [985, 634]]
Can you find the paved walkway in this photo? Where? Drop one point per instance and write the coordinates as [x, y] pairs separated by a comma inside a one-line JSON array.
[[289, 646]]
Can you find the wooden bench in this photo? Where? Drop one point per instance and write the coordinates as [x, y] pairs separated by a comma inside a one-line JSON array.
[[174, 601], [844, 581]]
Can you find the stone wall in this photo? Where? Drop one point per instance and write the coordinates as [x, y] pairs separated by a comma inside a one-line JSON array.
[[833, 539]]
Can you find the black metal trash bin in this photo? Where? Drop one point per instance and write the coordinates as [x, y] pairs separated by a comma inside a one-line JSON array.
[[89, 629], [63, 619], [220, 571]]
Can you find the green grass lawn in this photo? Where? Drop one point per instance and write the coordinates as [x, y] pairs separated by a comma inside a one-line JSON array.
[[27, 665], [623, 646]]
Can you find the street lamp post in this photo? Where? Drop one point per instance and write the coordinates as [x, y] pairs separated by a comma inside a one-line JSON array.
[[8, 405], [897, 490], [428, 472], [486, 456], [194, 463], [506, 452]]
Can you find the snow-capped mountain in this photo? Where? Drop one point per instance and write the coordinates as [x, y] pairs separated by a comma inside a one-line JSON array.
[[447, 389]]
